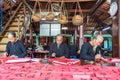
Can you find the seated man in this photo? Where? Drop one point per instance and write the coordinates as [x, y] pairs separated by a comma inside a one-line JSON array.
[[87, 52], [59, 49], [15, 48], [46, 47], [40, 47]]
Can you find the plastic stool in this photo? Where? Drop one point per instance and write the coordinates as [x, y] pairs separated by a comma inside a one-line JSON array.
[[73, 57]]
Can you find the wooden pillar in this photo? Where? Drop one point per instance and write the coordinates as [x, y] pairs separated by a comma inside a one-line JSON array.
[[80, 36], [31, 33], [116, 33], [75, 37]]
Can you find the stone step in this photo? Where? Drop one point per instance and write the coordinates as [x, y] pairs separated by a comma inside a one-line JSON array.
[[21, 11], [2, 47], [16, 23], [3, 36], [3, 43], [4, 40], [12, 28], [13, 25], [17, 19]]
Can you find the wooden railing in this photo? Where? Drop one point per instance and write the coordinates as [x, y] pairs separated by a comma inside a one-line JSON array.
[[8, 23]]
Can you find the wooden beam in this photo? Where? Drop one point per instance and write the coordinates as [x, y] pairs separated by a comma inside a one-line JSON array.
[[83, 10], [105, 11], [108, 21], [106, 17], [64, 0], [69, 10], [95, 7], [96, 18]]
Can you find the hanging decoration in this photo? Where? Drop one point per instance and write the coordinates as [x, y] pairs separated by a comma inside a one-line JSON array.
[[77, 18], [63, 17], [56, 7], [50, 16], [36, 17]]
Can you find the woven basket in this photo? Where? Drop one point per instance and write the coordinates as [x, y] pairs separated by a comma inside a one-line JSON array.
[[36, 17], [62, 19], [78, 18], [50, 16]]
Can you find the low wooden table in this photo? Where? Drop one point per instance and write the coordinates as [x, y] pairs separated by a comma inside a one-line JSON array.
[[39, 53]]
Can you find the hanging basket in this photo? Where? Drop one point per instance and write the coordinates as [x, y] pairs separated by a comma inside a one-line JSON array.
[[78, 18], [63, 17], [36, 17], [50, 16]]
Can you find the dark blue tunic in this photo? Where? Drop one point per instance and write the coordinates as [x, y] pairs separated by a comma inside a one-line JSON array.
[[87, 52], [61, 51], [16, 48]]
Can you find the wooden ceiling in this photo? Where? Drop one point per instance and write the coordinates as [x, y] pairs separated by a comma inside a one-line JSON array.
[[8, 4], [63, 0], [95, 12]]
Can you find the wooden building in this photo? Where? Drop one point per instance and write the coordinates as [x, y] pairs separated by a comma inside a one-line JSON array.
[[97, 15]]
